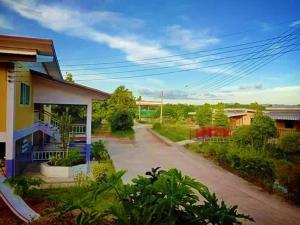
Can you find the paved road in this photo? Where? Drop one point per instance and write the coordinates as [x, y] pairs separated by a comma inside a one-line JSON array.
[[148, 151]]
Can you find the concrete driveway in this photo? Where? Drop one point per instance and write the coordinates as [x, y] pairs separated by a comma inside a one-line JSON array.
[[147, 151]]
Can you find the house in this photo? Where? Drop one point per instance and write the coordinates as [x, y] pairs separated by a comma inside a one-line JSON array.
[[30, 82], [239, 116], [286, 118]]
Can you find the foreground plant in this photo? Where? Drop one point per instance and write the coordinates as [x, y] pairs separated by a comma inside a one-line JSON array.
[[163, 198], [170, 198], [24, 185]]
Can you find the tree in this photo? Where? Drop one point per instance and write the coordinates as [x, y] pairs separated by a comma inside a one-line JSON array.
[[289, 142], [122, 102], [64, 129], [204, 115], [254, 105], [219, 117], [262, 128], [69, 77], [99, 113]]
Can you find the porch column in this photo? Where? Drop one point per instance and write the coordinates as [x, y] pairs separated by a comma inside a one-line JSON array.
[[10, 119], [88, 134]]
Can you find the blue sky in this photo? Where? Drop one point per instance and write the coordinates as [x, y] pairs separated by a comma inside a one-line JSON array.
[[125, 34]]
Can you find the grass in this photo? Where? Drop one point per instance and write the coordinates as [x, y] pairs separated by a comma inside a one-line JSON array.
[[261, 167], [75, 193], [124, 134], [174, 132]]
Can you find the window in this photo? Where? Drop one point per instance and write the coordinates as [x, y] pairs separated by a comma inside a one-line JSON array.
[[25, 94], [289, 124]]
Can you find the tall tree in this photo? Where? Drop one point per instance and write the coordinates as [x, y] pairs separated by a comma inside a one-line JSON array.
[[121, 107], [262, 128], [69, 78], [219, 117], [204, 115], [123, 99]]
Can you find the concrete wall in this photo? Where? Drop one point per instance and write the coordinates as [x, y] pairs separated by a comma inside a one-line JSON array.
[[62, 171]]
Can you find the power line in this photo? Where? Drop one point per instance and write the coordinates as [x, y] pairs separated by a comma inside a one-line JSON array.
[[166, 67], [210, 79], [171, 72], [224, 35], [233, 79], [248, 70]]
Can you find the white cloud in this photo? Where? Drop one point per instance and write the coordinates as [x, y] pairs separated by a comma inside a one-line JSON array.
[[295, 23], [5, 24], [277, 95], [189, 39], [87, 25]]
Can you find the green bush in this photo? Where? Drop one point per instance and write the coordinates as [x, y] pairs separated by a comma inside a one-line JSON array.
[[99, 171], [99, 151], [156, 126], [289, 142], [242, 136], [293, 186], [23, 185], [262, 129], [72, 158], [168, 197], [256, 166], [121, 120]]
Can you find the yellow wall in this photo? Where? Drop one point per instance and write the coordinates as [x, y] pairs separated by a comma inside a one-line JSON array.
[[23, 114], [3, 83]]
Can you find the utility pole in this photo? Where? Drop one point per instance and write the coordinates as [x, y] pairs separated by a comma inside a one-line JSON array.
[[139, 110], [161, 107]]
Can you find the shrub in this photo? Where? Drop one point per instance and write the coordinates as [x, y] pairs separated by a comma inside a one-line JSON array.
[[23, 185], [156, 126], [171, 198], [257, 166], [82, 180], [99, 152], [242, 136], [289, 142], [293, 186], [72, 158], [262, 128], [99, 171], [121, 120]]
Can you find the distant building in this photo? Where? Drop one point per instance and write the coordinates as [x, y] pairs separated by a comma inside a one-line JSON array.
[[286, 119], [239, 116]]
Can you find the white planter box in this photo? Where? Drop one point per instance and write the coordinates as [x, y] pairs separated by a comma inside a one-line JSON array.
[[62, 171]]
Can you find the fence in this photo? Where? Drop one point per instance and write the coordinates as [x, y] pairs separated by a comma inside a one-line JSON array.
[[46, 155], [210, 132]]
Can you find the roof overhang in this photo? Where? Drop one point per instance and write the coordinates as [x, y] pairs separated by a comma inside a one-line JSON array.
[[30, 50], [95, 93]]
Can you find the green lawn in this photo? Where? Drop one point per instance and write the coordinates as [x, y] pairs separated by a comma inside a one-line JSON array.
[[123, 134], [75, 193], [174, 132]]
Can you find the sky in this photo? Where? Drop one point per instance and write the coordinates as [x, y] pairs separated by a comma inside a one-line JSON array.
[[193, 51]]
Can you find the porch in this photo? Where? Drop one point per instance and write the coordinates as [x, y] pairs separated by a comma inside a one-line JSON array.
[[44, 139]]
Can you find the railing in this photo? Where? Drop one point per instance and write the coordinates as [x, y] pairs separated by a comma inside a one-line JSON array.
[[46, 155], [78, 129], [284, 130], [50, 119], [46, 118]]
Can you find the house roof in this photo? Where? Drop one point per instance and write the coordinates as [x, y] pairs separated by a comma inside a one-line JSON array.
[[41, 53], [28, 49], [45, 76], [232, 112], [283, 116]]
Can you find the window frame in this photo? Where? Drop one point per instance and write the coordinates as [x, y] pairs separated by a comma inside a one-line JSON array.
[[25, 94]]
